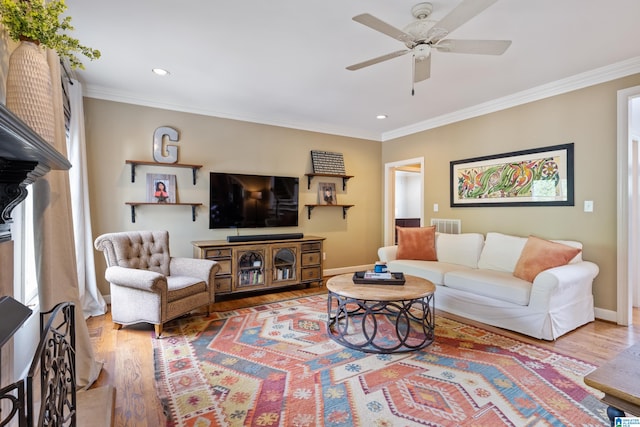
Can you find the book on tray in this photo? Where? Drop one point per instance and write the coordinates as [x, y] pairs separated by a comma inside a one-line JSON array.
[[380, 276]]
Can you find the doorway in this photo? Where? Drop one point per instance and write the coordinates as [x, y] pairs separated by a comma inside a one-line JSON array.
[[628, 229], [403, 195]]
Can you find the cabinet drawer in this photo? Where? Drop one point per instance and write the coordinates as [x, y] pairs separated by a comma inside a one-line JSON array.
[[223, 284], [217, 253], [313, 273], [310, 259], [307, 247], [225, 267]]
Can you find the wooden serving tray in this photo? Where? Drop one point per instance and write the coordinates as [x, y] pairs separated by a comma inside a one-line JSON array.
[[397, 279]]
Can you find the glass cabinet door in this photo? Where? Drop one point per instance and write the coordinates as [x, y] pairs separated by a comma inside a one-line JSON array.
[[284, 264], [250, 268]]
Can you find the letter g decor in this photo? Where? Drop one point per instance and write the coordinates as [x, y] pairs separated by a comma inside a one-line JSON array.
[[171, 149]]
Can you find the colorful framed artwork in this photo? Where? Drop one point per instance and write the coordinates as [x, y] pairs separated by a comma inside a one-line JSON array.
[[536, 177], [161, 188]]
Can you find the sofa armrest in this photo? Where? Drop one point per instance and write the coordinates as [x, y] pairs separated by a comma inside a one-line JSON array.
[[203, 269], [133, 278], [388, 253], [557, 286]]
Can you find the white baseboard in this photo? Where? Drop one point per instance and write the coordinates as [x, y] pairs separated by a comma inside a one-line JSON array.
[[608, 315]]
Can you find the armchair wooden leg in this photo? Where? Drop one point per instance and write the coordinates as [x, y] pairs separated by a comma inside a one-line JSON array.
[[158, 329], [117, 326]]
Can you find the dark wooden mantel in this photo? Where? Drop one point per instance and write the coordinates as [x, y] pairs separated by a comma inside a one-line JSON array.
[[24, 157]]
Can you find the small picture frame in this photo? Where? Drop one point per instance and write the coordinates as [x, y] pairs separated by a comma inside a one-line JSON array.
[[327, 193], [161, 188]]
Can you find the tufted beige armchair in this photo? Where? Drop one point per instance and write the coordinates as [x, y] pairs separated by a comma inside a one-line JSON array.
[[147, 284]]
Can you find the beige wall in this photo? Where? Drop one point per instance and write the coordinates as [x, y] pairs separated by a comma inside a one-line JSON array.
[[585, 117], [117, 132]]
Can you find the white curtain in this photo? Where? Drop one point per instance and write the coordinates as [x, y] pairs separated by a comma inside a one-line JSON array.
[[92, 302]]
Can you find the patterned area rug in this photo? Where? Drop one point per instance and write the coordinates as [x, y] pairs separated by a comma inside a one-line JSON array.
[[273, 365]]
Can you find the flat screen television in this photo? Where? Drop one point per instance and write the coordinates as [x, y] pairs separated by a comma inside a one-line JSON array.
[[252, 201]]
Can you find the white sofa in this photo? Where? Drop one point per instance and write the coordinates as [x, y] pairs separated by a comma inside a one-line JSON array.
[[474, 279]]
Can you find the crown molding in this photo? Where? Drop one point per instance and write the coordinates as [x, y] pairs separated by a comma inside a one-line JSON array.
[[98, 92], [579, 81]]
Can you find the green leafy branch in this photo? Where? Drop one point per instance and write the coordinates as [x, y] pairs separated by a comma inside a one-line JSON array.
[[40, 22]]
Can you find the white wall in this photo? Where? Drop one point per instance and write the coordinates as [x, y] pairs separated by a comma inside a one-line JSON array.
[[407, 195]]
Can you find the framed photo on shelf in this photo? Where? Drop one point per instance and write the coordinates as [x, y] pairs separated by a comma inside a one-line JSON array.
[[161, 188], [327, 193]]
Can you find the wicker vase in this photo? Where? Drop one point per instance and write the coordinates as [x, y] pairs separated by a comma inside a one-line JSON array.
[[29, 93]]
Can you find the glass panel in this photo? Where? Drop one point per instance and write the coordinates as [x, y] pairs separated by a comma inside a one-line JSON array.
[[284, 262], [251, 269]]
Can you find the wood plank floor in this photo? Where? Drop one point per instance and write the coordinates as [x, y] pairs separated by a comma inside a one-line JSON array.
[[128, 355]]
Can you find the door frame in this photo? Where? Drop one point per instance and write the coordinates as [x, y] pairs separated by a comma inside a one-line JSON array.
[[627, 237], [390, 195]]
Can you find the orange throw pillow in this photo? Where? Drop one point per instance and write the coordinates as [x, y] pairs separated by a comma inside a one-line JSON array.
[[417, 243], [539, 255]]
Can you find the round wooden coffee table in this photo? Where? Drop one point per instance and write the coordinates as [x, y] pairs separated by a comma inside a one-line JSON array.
[[381, 318]]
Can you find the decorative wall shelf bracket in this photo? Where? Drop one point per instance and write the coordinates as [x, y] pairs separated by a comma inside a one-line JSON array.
[[134, 163], [134, 204], [345, 178], [344, 209]]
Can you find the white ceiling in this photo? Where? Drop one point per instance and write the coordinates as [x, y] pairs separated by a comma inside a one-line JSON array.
[[282, 62]]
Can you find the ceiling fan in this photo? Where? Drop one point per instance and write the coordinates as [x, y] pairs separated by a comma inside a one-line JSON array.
[[423, 35]]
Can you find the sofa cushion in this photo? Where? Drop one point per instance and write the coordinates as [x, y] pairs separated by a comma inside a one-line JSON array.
[[180, 287], [463, 249], [501, 285], [501, 252], [431, 270], [539, 255], [417, 243]]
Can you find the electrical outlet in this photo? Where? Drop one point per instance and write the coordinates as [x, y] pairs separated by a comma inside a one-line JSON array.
[[435, 207], [324, 256]]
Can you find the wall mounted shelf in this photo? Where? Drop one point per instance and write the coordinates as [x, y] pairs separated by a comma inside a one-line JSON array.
[[134, 204], [345, 178], [344, 209], [134, 163]]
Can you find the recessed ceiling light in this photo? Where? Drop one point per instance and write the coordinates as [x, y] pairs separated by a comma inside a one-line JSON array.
[[160, 71], [381, 116]]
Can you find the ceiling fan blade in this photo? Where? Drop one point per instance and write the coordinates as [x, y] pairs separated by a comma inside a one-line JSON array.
[[377, 60], [381, 26], [458, 16], [481, 47], [421, 68]]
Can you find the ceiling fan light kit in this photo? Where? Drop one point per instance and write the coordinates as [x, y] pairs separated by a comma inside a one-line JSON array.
[[423, 35]]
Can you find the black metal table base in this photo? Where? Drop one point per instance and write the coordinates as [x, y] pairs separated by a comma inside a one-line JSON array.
[[381, 326]]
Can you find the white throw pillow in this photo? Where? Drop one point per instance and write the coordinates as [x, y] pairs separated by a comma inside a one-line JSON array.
[[501, 252], [462, 249]]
